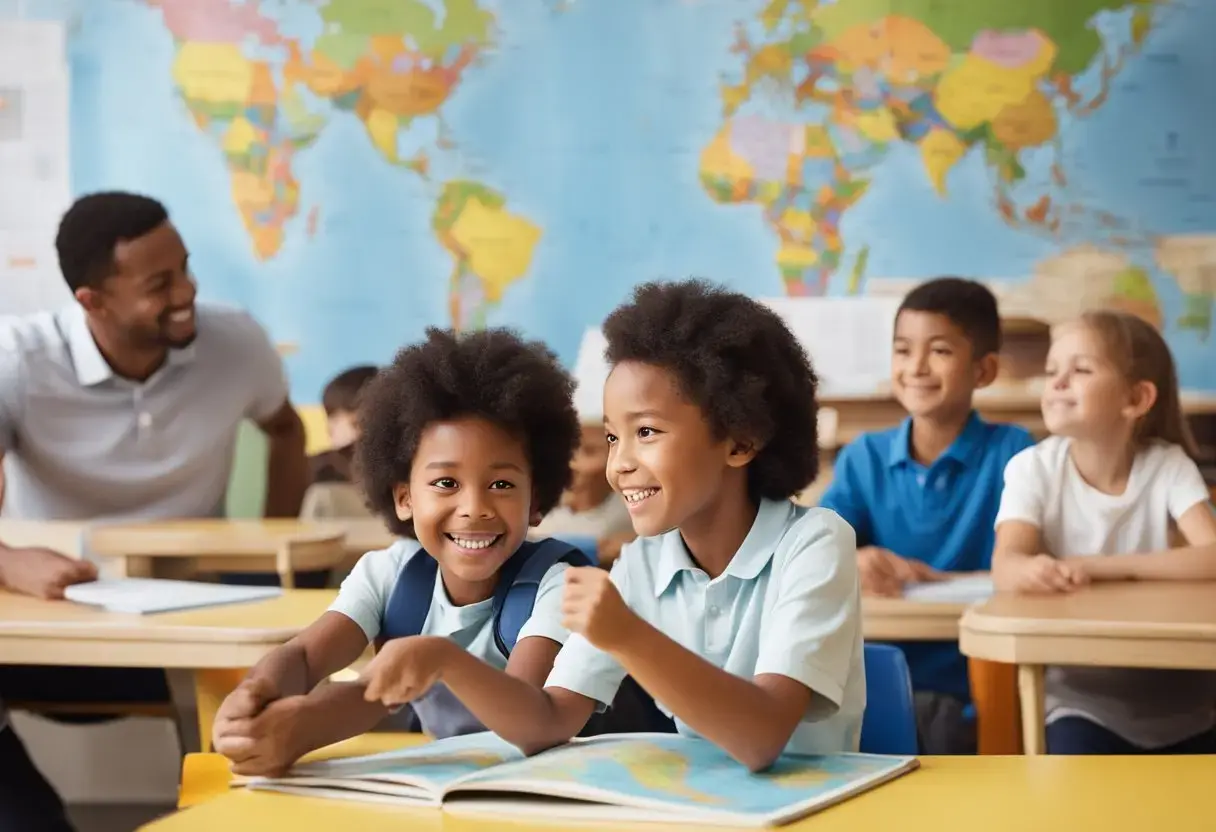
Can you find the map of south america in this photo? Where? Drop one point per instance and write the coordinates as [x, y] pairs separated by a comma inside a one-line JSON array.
[[391, 64]]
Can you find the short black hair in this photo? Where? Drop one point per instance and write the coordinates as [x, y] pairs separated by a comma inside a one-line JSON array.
[[493, 374], [735, 359], [94, 225], [343, 390], [967, 304]]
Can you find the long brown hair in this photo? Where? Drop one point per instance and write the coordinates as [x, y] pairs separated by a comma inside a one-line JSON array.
[[1139, 353]]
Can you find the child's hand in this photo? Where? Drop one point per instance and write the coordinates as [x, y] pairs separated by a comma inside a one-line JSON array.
[[884, 573], [243, 704], [1045, 574], [592, 607], [264, 745], [405, 669]]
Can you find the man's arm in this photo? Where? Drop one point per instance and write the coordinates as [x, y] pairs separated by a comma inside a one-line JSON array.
[[39, 572], [287, 468]]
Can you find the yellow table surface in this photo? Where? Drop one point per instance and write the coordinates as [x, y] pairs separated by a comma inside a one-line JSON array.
[[976, 794]]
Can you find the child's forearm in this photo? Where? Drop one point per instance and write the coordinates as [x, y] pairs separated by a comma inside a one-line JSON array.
[[332, 713], [746, 720], [521, 713], [1004, 569], [285, 668], [1189, 563]]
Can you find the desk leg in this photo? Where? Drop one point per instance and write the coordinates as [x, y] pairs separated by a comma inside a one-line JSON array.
[[211, 685], [994, 690], [1030, 689]]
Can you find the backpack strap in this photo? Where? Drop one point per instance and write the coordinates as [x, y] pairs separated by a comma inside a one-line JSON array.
[[519, 579], [407, 608]]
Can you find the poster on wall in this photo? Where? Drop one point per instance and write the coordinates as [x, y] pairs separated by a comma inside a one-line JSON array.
[[34, 163]]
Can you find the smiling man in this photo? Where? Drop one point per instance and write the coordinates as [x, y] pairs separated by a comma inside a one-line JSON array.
[[124, 405]]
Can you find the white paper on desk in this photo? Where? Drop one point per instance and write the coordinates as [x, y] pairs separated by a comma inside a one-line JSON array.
[[964, 590], [149, 595], [848, 339]]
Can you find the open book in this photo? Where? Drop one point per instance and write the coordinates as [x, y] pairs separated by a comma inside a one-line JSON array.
[[614, 777]]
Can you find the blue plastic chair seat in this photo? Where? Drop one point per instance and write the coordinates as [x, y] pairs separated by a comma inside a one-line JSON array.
[[889, 723]]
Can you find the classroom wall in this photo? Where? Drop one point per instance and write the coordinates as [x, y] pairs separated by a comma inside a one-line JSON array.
[[566, 154]]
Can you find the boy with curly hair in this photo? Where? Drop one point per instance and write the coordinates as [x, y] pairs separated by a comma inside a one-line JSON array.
[[466, 443], [738, 611]]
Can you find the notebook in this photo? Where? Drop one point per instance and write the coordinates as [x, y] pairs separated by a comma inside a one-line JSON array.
[[612, 777], [149, 595], [965, 589]]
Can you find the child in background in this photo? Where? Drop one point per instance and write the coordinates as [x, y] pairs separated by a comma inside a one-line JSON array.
[[1094, 502], [466, 442], [737, 610], [341, 402], [589, 507], [922, 497]]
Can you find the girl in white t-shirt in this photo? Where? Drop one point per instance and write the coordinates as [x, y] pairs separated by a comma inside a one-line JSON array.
[[1098, 501]]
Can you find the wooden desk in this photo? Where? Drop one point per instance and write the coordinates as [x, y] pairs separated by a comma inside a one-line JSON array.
[[1007, 403], [136, 545], [217, 643], [1154, 625], [947, 794], [993, 685], [897, 619]]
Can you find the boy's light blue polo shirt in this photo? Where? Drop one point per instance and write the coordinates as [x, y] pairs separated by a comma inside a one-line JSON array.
[[787, 603], [942, 514]]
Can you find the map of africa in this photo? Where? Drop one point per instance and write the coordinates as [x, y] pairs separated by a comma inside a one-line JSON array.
[[355, 170]]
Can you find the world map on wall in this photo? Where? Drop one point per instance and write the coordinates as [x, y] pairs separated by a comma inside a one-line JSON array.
[[355, 170]]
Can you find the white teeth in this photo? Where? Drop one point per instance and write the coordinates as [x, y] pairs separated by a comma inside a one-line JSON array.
[[638, 496], [465, 543], [182, 317]]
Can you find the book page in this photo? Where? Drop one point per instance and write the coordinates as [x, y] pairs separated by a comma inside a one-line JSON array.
[[965, 589], [680, 778], [426, 768]]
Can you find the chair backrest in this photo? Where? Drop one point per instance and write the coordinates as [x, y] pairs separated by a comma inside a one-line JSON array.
[[889, 723], [334, 501]]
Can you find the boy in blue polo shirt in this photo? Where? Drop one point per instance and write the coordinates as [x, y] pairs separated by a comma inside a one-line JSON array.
[[923, 496]]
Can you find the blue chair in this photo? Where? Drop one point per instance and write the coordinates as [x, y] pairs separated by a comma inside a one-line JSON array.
[[889, 723]]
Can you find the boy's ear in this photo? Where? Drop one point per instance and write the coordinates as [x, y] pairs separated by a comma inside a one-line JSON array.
[[1141, 400], [401, 498], [534, 513], [741, 452], [986, 370]]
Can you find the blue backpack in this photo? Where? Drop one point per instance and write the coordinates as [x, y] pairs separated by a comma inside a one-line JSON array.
[[518, 581]]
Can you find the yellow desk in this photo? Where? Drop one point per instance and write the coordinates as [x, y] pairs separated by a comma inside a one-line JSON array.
[[947, 794], [1155, 625], [217, 643]]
